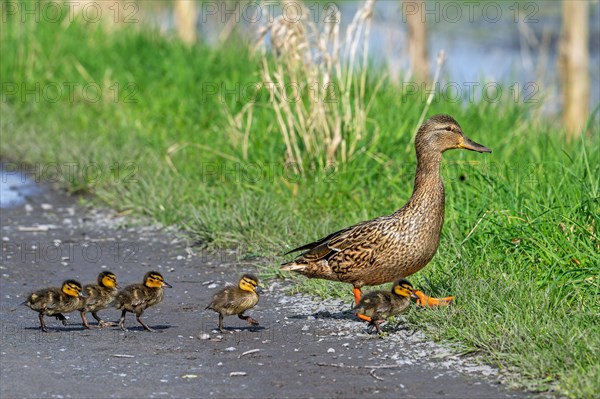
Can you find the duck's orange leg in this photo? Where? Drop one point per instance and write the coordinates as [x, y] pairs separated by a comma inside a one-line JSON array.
[[427, 301], [357, 295]]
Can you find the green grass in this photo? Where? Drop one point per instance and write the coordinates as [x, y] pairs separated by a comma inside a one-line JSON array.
[[520, 245]]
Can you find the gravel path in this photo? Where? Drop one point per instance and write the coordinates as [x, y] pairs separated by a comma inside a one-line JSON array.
[[302, 348]]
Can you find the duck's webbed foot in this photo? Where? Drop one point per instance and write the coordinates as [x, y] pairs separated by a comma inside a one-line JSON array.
[[429, 302], [63, 319], [139, 319], [375, 325], [249, 319], [102, 323]]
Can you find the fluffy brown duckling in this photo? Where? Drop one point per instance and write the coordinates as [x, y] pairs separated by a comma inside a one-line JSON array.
[[136, 298], [56, 301], [380, 305], [236, 299], [387, 248], [99, 296]]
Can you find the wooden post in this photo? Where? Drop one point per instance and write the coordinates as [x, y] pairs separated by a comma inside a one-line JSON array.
[[417, 42], [185, 20], [574, 66]]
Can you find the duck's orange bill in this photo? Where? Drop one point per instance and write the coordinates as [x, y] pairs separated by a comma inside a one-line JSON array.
[[429, 302]]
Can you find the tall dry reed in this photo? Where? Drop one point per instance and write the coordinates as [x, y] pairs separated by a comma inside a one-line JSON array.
[[317, 83]]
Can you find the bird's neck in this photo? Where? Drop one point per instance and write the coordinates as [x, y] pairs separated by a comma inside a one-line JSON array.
[[428, 181]]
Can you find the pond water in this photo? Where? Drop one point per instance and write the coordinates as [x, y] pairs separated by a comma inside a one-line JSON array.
[[15, 186], [507, 42]]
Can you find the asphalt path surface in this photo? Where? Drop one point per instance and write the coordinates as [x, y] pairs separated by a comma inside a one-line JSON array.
[[303, 347]]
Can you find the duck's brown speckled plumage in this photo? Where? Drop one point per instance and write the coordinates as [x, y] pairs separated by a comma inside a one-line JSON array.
[[235, 300], [136, 298], [390, 247], [99, 296], [380, 305], [56, 301]]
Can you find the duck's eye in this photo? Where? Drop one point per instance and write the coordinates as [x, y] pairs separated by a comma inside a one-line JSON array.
[[449, 128]]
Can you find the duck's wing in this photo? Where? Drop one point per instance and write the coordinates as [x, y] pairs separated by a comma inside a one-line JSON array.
[[354, 236]]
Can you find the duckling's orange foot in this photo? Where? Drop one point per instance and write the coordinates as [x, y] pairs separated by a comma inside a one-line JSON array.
[[429, 302], [365, 318]]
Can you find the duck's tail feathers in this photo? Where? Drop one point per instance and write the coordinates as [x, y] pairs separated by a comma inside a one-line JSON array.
[[293, 267]]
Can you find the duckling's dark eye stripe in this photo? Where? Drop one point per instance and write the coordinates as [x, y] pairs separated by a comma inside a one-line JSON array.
[[251, 282]]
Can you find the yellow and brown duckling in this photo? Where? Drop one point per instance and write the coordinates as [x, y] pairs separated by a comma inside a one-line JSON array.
[[236, 299], [56, 301], [99, 296], [136, 298], [389, 247], [380, 305]]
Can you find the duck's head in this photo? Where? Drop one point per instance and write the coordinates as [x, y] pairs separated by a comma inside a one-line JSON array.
[[404, 288], [441, 133], [155, 280], [72, 288], [249, 282], [108, 280]]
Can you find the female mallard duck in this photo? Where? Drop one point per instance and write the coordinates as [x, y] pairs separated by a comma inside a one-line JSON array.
[[236, 300], [56, 301], [99, 296], [138, 297], [379, 305], [394, 246]]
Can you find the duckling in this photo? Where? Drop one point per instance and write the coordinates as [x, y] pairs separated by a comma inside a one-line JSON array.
[[380, 305], [136, 298], [56, 301], [389, 247], [236, 300], [99, 296]]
